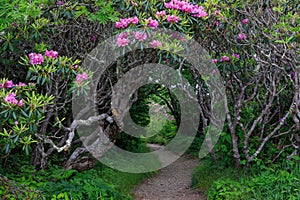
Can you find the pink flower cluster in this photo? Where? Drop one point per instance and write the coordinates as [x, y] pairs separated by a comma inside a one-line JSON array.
[[155, 44], [124, 22], [245, 21], [242, 36], [224, 59], [152, 23], [10, 84], [140, 36], [122, 39], [236, 55], [161, 13], [51, 54], [11, 99], [184, 6], [60, 3], [36, 59], [81, 77], [173, 19]]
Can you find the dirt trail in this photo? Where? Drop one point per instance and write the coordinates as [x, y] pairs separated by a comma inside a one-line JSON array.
[[170, 183]]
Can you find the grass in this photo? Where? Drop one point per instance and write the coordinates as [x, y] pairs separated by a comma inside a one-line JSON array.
[[275, 182]]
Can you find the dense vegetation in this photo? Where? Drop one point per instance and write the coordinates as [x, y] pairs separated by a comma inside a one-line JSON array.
[[253, 46]]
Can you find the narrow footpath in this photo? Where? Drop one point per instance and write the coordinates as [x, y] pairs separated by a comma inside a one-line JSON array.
[[170, 183]]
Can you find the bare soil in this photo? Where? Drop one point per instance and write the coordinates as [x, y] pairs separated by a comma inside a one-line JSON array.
[[172, 182]]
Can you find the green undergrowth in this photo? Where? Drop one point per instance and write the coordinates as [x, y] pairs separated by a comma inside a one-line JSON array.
[[53, 183], [278, 181], [101, 182]]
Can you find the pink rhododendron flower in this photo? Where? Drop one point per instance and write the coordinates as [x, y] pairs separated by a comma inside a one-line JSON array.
[[21, 84], [187, 8], [140, 36], [16, 122], [236, 55], [217, 23], [199, 10], [51, 54], [36, 59], [224, 59], [155, 44], [10, 98], [292, 74], [242, 36], [122, 42], [80, 77], [123, 35], [60, 3], [184, 6], [161, 13], [14, 24], [217, 12], [152, 23], [8, 84], [133, 20], [84, 76], [173, 19], [93, 38], [245, 21], [1, 85], [123, 23], [122, 39], [214, 61], [21, 103]]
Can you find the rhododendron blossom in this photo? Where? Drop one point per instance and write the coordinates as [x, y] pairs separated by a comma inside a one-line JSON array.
[[236, 55], [133, 20], [10, 98], [93, 38], [161, 13], [51, 54], [140, 36], [8, 84], [184, 6], [152, 23], [21, 103], [245, 21], [36, 59], [225, 59], [242, 36], [124, 22], [21, 84], [214, 61], [173, 18], [81, 77], [217, 12], [123, 35], [155, 44]]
